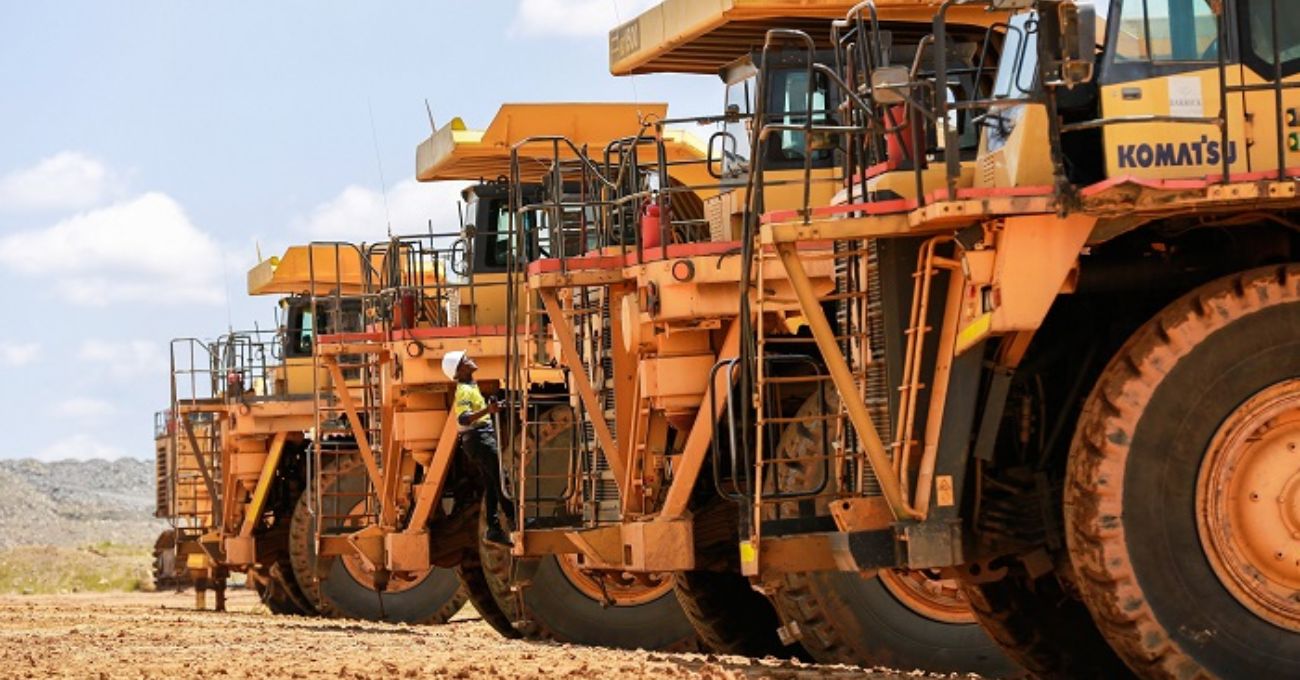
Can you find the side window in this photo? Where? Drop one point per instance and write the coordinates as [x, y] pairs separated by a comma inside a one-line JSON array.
[[492, 240], [741, 96], [1018, 68], [790, 91], [1167, 31], [1257, 19], [298, 340], [498, 240]]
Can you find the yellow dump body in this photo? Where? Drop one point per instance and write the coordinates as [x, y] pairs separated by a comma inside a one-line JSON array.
[[455, 152], [292, 273], [700, 36]]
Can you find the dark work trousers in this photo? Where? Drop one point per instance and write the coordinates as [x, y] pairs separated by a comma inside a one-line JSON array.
[[480, 445]]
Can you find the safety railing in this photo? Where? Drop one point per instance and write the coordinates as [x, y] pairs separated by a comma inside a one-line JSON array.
[[347, 384], [252, 365], [194, 433], [885, 122]]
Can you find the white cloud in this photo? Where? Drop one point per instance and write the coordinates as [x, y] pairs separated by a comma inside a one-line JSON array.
[[143, 249], [18, 353], [84, 407], [67, 180], [358, 213], [574, 17], [127, 359], [79, 447]]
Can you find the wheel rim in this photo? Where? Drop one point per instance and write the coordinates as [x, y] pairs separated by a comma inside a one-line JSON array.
[[625, 589], [1248, 504], [934, 598]]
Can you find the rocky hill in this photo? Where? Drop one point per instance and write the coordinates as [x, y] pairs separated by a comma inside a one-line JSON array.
[[77, 503]]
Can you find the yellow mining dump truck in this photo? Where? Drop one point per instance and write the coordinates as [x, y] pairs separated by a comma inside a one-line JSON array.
[[238, 442], [1061, 359], [645, 317], [189, 480], [271, 432], [181, 498], [394, 493]]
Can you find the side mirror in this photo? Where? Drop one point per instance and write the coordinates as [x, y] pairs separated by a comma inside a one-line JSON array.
[[1078, 42], [722, 146], [889, 84], [459, 257]]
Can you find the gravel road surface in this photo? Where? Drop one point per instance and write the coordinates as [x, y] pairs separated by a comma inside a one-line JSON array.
[[159, 635]]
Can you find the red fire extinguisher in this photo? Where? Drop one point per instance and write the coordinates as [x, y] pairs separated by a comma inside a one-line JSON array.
[[405, 317], [899, 144], [650, 237]]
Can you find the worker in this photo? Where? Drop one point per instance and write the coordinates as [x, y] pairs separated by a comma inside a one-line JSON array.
[[478, 440]]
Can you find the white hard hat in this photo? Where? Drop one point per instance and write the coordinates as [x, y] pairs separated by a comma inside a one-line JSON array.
[[451, 362]]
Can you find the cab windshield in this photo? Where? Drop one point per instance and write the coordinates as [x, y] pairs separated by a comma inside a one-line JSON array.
[[787, 105]]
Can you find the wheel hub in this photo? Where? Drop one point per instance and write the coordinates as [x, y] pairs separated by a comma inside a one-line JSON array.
[[932, 597], [624, 589], [363, 574], [1248, 504]]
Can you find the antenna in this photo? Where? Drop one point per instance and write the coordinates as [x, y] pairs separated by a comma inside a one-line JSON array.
[[379, 161], [618, 18], [429, 110], [225, 285]]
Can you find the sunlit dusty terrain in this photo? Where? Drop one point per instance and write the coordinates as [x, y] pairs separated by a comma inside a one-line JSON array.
[[159, 635]]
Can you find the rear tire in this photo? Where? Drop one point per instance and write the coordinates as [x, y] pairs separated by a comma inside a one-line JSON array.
[[1040, 627], [473, 572], [277, 602], [1142, 485], [730, 616]]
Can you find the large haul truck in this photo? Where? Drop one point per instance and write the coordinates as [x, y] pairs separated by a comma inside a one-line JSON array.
[[1061, 359], [638, 305], [394, 494], [233, 453]]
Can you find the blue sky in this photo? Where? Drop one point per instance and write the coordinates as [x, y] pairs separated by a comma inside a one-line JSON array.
[[146, 146]]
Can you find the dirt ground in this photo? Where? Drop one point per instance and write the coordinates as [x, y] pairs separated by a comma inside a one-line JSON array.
[[159, 635]]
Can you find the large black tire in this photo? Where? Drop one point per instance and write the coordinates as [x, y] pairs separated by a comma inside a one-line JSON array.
[[1133, 493], [275, 581], [434, 599], [845, 618], [552, 608], [730, 616], [278, 589], [302, 556], [842, 617], [1040, 627], [165, 573], [276, 602], [500, 614]]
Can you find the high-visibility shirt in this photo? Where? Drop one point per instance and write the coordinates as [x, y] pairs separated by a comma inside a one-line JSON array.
[[468, 400]]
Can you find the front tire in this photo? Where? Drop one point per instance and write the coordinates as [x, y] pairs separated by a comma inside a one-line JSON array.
[[1178, 509], [553, 607], [898, 619], [845, 618], [345, 592]]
